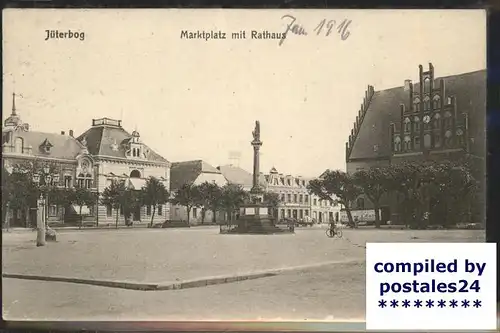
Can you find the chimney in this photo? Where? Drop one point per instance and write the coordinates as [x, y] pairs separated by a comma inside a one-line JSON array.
[[407, 85], [62, 133], [70, 132]]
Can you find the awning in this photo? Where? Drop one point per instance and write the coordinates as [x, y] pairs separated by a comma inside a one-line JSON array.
[[136, 183], [85, 209]]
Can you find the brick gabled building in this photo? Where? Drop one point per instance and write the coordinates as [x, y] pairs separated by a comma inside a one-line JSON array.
[[435, 118]]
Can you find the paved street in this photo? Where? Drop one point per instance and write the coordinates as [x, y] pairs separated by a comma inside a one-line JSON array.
[[160, 255]]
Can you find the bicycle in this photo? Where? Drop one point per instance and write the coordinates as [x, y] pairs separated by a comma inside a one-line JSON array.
[[330, 233]]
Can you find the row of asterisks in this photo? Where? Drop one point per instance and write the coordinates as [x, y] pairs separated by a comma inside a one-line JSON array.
[[429, 303]]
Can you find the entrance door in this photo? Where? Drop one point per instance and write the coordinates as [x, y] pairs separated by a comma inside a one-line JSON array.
[[320, 217], [385, 214], [294, 214], [137, 214]]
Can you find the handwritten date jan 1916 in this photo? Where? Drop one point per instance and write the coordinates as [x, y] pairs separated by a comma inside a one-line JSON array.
[[324, 27]]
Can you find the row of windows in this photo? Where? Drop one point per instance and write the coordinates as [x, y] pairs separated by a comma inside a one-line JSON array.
[[149, 209], [289, 213], [55, 209], [299, 198], [435, 123], [296, 198], [436, 103], [84, 181], [448, 141], [283, 181]]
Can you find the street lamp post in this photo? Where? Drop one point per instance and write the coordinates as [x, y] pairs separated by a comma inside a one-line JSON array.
[[42, 204]]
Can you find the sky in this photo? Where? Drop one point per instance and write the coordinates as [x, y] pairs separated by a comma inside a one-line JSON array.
[[195, 99]]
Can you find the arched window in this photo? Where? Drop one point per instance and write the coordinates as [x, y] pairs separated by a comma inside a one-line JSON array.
[[407, 124], [84, 180], [416, 142], [416, 123], [360, 203], [448, 139], [436, 102], [427, 103], [437, 121], [135, 174], [427, 85], [427, 140], [416, 104], [437, 140], [460, 137], [19, 145], [447, 120], [406, 143], [397, 143]]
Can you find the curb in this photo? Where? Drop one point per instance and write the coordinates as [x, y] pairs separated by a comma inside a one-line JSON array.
[[195, 283], [142, 286]]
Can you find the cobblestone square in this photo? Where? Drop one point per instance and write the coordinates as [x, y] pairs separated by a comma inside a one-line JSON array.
[[321, 278]]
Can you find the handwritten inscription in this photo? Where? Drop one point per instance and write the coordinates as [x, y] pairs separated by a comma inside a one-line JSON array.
[[324, 27]]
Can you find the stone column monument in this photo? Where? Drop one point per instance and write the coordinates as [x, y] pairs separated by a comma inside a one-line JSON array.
[[256, 192], [254, 216]]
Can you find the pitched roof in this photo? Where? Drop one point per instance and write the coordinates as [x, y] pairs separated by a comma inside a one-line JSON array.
[[187, 172], [236, 175], [63, 146], [469, 90], [101, 140], [239, 176]]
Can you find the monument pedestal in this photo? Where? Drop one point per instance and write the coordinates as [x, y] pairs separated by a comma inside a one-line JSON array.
[[255, 219]]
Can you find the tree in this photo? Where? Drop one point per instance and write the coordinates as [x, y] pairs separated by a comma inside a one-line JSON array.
[[61, 197], [130, 200], [5, 194], [339, 184], [112, 196], [20, 192], [154, 193], [272, 200], [188, 196], [210, 198], [374, 183], [81, 196], [453, 187], [233, 196]]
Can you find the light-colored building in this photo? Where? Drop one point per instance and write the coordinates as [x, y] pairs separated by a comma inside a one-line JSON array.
[[66, 160], [296, 201], [325, 211], [116, 154], [295, 198], [193, 173]]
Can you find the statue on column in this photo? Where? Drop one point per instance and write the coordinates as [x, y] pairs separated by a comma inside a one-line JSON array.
[[256, 131]]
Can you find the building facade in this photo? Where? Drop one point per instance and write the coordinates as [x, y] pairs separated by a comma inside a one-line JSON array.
[[431, 119], [66, 160], [194, 173], [295, 200], [105, 152], [118, 155]]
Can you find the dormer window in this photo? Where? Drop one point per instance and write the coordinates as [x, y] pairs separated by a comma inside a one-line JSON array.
[[46, 146]]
